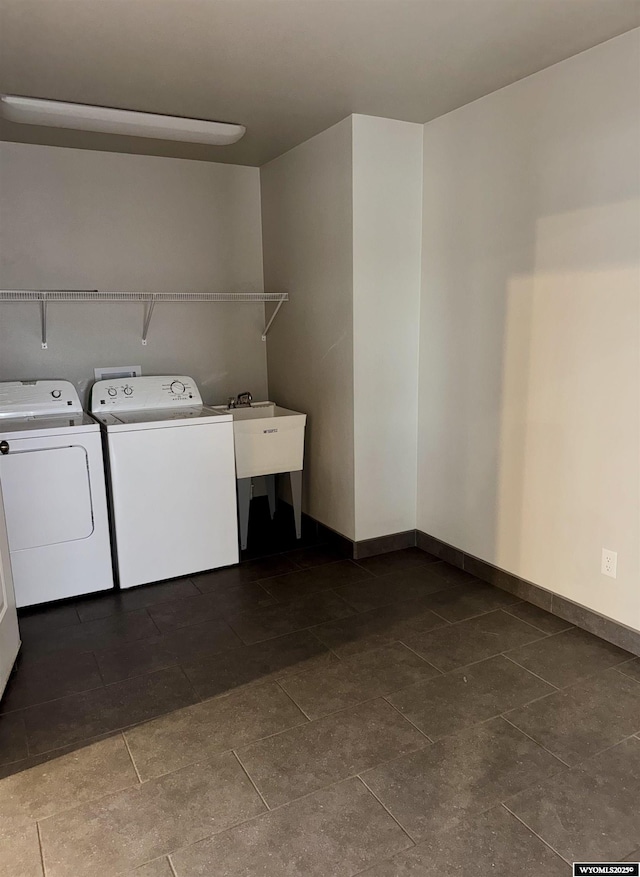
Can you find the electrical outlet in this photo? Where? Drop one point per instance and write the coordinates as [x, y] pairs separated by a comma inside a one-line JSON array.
[[609, 562]]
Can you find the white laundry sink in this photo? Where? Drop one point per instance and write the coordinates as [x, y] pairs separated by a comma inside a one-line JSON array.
[[268, 439]]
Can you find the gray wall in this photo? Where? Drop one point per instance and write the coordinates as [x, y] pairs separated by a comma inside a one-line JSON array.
[[78, 219], [529, 423], [307, 234], [387, 237]]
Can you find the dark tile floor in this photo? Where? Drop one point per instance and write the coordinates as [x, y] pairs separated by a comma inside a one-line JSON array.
[[303, 714]]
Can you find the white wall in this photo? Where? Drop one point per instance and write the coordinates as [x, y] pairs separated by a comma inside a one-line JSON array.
[[387, 222], [529, 435], [307, 237], [74, 219]]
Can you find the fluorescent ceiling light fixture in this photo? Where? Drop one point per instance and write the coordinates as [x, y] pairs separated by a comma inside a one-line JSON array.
[[105, 120]]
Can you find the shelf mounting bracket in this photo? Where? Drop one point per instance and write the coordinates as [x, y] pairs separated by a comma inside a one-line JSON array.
[[265, 331], [43, 320], [151, 303]]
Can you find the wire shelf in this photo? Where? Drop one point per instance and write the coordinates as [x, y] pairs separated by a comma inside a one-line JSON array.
[[96, 295], [150, 299]]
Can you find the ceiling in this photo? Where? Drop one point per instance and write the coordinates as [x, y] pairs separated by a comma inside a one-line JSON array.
[[286, 69]]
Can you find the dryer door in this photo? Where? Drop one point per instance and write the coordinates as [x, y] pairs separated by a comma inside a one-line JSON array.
[[47, 496]]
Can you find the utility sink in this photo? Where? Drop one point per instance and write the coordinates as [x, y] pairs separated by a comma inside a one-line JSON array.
[[268, 439]]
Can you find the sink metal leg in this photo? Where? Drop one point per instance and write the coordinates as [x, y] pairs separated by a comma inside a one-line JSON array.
[[296, 496], [271, 493], [244, 501]]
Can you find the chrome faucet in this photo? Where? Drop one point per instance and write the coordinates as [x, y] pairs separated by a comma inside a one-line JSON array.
[[243, 400]]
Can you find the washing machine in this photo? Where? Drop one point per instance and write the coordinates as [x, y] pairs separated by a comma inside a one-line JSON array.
[[171, 475], [53, 483]]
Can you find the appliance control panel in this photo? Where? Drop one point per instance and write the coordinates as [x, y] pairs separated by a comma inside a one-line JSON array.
[[38, 398], [143, 393]]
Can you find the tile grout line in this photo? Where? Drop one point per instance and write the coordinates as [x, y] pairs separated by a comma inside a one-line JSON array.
[[537, 742], [504, 655], [135, 766], [406, 718], [338, 781], [352, 658], [529, 702], [127, 726], [105, 685], [311, 570], [543, 634], [153, 718], [293, 701], [485, 720], [622, 673], [385, 808], [197, 758], [324, 645], [385, 645], [334, 712], [251, 780], [90, 801], [576, 682], [44, 869], [269, 811], [330, 785], [100, 673], [473, 724], [475, 664], [358, 613], [531, 624], [468, 728], [343, 709], [441, 617], [152, 619], [471, 617], [535, 833], [422, 658], [401, 571], [507, 656], [580, 764], [279, 806], [309, 627], [391, 603], [522, 667]]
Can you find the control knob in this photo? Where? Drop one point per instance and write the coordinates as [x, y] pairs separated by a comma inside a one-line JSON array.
[[128, 390], [56, 394], [177, 387], [112, 391]]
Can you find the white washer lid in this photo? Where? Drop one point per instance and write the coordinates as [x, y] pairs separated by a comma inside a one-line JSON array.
[[161, 417], [35, 427]]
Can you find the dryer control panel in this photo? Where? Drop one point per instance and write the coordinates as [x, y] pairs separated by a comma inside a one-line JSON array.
[[38, 399], [144, 393]]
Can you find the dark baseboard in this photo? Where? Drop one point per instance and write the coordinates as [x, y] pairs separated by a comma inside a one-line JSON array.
[[366, 547], [336, 540], [383, 544], [440, 549], [607, 629], [599, 625]]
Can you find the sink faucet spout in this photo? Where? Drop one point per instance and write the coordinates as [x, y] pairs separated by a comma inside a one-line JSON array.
[[244, 400]]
